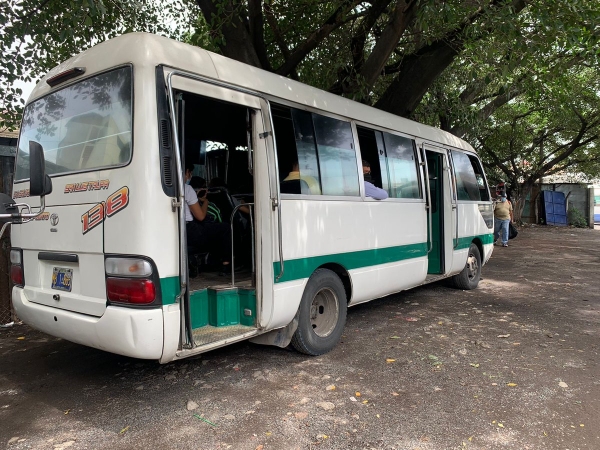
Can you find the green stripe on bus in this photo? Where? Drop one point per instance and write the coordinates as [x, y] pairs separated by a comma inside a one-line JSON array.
[[170, 289], [296, 269], [465, 242]]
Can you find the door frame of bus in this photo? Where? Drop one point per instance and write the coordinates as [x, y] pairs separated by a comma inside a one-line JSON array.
[[187, 339], [439, 154]]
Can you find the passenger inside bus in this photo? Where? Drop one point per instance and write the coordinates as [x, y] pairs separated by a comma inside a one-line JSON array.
[[370, 189], [293, 183], [204, 235]]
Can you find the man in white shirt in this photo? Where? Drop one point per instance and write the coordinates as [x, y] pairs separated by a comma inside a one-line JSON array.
[[202, 235]]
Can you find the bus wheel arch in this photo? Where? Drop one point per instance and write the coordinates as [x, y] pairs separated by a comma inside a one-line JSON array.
[[322, 313], [344, 276], [469, 277]]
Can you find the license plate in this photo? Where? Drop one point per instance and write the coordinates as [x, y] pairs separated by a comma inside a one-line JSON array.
[[62, 279]]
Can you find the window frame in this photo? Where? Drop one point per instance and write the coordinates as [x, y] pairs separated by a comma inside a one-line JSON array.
[[415, 140], [70, 84], [455, 179], [323, 197]]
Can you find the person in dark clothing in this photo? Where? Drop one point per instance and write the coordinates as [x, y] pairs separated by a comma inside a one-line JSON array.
[[203, 234]]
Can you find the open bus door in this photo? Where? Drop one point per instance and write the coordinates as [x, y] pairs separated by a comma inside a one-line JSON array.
[[217, 311]]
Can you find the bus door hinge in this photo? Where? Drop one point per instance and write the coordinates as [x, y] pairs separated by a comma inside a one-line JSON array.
[[274, 203], [175, 204], [265, 135]]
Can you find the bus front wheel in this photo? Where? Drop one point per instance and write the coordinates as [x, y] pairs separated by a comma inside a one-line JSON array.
[[322, 314], [469, 277]]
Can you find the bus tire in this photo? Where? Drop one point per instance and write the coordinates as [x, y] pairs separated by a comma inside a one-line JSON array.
[[469, 277], [322, 314]]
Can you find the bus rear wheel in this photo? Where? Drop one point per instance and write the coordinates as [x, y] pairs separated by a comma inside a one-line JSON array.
[[469, 277], [322, 314]]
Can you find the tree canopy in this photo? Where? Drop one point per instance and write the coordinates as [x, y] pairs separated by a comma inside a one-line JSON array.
[[471, 67]]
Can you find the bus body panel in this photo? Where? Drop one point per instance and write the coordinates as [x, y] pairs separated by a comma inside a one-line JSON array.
[[378, 281], [333, 227], [172, 332], [44, 241], [124, 331]]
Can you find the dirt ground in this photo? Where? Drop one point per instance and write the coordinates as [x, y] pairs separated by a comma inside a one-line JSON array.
[[511, 365]]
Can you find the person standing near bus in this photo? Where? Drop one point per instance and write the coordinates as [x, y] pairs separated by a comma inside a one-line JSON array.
[[503, 215], [370, 189]]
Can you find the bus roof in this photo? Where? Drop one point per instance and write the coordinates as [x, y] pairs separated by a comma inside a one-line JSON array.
[[149, 50]]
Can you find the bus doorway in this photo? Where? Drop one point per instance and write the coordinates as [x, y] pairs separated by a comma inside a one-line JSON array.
[[218, 130], [435, 227]]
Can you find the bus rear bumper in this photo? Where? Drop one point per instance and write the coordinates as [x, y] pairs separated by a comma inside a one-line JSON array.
[[137, 333]]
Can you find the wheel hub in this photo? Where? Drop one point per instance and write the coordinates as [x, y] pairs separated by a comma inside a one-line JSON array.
[[472, 266], [324, 312]]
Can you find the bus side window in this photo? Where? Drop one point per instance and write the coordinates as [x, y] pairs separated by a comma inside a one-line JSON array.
[[402, 166], [372, 149], [337, 156], [468, 186], [296, 151]]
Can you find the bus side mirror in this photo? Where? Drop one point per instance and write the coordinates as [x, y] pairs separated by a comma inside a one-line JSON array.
[[40, 184]]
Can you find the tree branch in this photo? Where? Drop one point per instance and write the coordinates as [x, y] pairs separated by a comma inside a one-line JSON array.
[[334, 21], [418, 71]]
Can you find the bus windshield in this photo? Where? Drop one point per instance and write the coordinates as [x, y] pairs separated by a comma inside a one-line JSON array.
[[82, 127]]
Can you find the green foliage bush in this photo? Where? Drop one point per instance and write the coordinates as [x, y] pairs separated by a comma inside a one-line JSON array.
[[576, 218]]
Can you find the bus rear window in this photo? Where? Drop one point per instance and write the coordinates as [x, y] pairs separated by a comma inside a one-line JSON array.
[[82, 127]]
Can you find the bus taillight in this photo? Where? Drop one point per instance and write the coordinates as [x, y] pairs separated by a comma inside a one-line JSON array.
[[16, 269], [130, 290], [132, 280]]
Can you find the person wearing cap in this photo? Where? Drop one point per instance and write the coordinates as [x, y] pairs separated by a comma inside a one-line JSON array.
[[503, 215]]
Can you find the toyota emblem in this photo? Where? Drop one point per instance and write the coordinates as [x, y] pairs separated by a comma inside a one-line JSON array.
[[54, 219]]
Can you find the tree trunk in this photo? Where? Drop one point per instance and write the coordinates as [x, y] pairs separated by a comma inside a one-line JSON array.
[[519, 196]]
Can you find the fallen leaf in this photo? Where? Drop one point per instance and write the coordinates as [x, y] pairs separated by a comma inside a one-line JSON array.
[[260, 447], [440, 323], [511, 384], [390, 360], [67, 411], [474, 365], [124, 430], [395, 337], [357, 394], [395, 394], [268, 433], [365, 402], [331, 387], [562, 384], [199, 417], [21, 338], [503, 335]]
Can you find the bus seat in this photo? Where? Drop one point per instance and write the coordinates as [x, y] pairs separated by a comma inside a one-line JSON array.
[[294, 187], [220, 197]]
